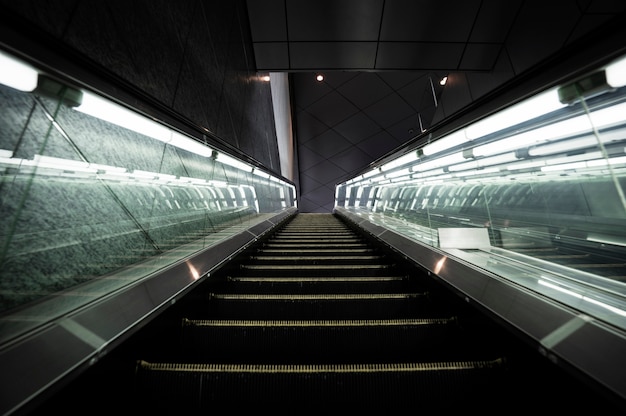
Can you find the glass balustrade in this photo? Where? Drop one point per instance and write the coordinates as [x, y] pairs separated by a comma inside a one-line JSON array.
[[533, 193], [96, 197]]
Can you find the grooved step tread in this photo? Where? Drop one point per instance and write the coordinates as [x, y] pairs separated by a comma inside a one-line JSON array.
[[318, 323], [318, 297], [322, 368]]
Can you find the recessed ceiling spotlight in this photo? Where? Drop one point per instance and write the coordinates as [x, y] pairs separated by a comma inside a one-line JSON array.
[[443, 81], [319, 77], [265, 78]]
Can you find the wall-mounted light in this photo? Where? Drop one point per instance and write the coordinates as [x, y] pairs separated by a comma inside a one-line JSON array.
[[17, 74]]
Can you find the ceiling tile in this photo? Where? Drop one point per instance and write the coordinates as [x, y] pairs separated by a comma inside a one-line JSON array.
[[328, 144], [332, 109], [332, 55], [389, 110], [365, 89], [337, 78], [378, 145], [423, 21], [268, 21], [308, 184], [273, 55], [541, 29], [422, 56], [480, 56], [494, 20], [398, 79], [351, 160], [325, 172], [357, 128], [405, 129], [308, 127], [307, 158], [419, 93], [347, 20], [306, 89]]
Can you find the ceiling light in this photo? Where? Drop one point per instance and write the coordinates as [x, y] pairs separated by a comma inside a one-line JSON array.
[[443, 81], [265, 78], [319, 77]]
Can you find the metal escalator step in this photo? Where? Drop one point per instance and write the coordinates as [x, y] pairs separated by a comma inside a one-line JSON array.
[[315, 266], [320, 341], [317, 297], [315, 245], [333, 279], [201, 386], [318, 284], [306, 306], [307, 250], [266, 258]]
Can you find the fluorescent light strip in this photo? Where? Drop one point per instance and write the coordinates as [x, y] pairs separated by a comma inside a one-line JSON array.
[[445, 143], [402, 160], [529, 109], [113, 113], [231, 161], [17, 74], [616, 73]]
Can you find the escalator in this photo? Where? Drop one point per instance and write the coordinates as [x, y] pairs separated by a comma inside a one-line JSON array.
[[318, 314]]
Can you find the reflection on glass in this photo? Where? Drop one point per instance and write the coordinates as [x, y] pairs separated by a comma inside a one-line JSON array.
[[545, 177], [95, 196]]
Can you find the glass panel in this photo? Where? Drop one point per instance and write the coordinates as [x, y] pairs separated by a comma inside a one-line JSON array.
[[96, 197], [534, 190]]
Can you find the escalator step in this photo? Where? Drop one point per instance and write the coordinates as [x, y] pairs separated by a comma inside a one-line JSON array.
[[201, 386], [318, 306], [322, 341]]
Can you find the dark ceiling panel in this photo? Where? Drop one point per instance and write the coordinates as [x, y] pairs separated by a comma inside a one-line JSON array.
[[332, 55], [365, 89], [428, 21], [357, 127], [332, 20], [335, 79], [328, 144], [378, 145], [270, 21], [480, 56], [409, 55], [389, 110], [494, 20], [271, 56], [332, 108], [325, 172], [307, 158], [308, 127], [351, 160]]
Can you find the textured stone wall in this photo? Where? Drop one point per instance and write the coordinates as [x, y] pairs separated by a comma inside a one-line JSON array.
[[192, 56]]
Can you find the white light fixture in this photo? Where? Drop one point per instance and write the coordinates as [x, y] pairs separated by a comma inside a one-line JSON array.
[[261, 174], [445, 143], [319, 77], [107, 110], [402, 160], [443, 81], [231, 161], [17, 74], [604, 118], [616, 73], [536, 106]]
